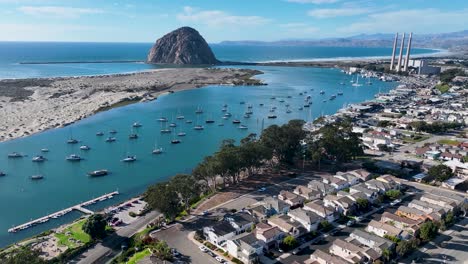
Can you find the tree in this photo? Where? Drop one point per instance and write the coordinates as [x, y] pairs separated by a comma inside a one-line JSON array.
[[289, 241], [205, 171], [403, 247], [162, 250], [428, 231], [325, 225], [284, 141], [393, 194], [335, 142], [440, 173], [95, 226], [163, 198], [386, 254], [362, 203], [186, 187], [22, 255]]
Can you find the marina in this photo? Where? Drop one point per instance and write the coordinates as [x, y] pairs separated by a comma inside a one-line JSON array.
[[78, 207], [157, 158]]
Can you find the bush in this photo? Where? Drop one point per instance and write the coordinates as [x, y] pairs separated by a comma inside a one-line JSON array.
[[237, 261], [393, 194], [289, 242], [132, 214]]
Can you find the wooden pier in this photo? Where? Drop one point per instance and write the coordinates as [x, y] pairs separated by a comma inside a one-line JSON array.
[[78, 207]]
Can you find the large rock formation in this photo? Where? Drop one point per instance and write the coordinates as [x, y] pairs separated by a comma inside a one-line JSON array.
[[182, 46]]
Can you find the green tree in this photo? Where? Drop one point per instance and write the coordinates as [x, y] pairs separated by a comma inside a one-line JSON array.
[[362, 203], [428, 231], [289, 241], [22, 255], [325, 225], [95, 226], [162, 197], [386, 255], [403, 247], [393, 194], [186, 187], [440, 173], [162, 250], [284, 141], [205, 172]]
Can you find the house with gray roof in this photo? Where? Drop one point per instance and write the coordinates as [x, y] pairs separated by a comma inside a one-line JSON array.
[[245, 247], [369, 240], [308, 219]]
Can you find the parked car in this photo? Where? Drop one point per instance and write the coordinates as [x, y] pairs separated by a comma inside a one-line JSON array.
[[262, 189], [206, 213], [397, 201], [211, 254], [203, 248], [219, 259], [350, 223]]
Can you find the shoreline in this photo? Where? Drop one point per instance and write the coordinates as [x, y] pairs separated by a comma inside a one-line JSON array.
[[39, 104]]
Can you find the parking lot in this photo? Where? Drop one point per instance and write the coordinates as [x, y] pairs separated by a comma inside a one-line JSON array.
[[121, 216]]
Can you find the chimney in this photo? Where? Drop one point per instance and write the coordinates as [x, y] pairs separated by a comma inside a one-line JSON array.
[[392, 62], [401, 53], [405, 68]]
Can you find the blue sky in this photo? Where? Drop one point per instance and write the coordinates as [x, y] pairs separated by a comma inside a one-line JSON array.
[[217, 20]]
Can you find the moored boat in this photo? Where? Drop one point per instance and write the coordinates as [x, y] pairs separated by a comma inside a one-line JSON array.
[[15, 155], [37, 177], [38, 158], [73, 157], [129, 159], [98, 173], [85, 147]]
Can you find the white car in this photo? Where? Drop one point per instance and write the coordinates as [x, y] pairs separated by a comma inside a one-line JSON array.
[[262, 189], [219, 259], [397, 201], [203, 249]]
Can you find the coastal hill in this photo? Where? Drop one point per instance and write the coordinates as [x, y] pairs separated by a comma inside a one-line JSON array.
[[182, 46], [452, 41]]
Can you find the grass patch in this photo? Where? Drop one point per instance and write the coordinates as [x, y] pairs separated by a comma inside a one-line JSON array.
[[139, 256], [443, 88], [449, 142], [76, 232], [415, 138]]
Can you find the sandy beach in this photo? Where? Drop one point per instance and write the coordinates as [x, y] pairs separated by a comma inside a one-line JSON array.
[[28, 106]]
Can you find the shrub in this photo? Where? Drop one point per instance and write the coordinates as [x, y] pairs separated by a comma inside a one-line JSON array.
[[237, 261], [132, 214]]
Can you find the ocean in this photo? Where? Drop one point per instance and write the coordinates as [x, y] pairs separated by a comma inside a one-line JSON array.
[[66, 183], [13, 54]]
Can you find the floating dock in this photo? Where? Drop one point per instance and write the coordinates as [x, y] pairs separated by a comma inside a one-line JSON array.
[[78, 207]]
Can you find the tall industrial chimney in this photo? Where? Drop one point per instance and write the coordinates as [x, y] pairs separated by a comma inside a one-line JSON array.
[[401, 53], [408, 49], [392, 62]]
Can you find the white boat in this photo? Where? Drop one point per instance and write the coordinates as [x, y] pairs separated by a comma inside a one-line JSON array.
[[136, 124], [180, 117], [37, 177], [100, 133], [181, 134], [198, 127], [322, 92], [110, 139], [199, 110], [357, 84], [157, 151], [38, 158], [129, 159], [188, 121], [73, 157], [113, 131], [85, 147], [162, 119], [44, 150], [243, 127]]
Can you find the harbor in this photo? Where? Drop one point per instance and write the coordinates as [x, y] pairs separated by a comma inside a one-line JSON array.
[[78, 207]]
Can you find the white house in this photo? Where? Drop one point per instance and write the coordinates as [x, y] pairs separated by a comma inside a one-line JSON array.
[[307, 219], [326, 212], [219, 233], [245, 247]]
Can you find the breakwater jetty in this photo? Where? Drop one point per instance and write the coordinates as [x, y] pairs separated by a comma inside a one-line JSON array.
[[78, 207]]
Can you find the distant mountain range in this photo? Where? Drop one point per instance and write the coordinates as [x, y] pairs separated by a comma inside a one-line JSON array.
[[452, 41]]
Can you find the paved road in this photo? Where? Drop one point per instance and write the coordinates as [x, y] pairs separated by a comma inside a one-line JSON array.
[[177, 237], [106, 250], [449, 247]]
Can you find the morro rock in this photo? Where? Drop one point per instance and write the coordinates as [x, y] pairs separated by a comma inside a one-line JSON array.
[[182, 46]]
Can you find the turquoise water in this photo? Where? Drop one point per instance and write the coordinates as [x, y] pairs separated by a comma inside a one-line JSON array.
[[12, 54], [66, 183]]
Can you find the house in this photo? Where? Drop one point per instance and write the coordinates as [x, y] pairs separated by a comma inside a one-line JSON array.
[[371, 194], [290, 198], [352, 253], [245, 247], [270, 235], [322, 187], [369, 240], [268, 207], [241, 221], [361, 174], [394, 182], [379, 186], [321, 210], [308, 219], [459, 169], [343, 205], [411, 213], [348, 177], [337, 183], [219, 233], [383, 229], [427, 207], [288, 225], [439, 200], [409, 225], [307, 192], [321, 257]]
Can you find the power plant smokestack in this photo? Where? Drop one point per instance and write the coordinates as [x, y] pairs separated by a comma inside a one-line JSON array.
[[401, 53], [392, 62], [405, 68]]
